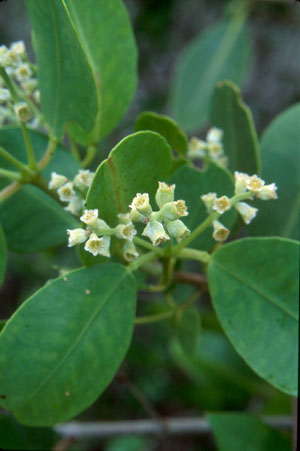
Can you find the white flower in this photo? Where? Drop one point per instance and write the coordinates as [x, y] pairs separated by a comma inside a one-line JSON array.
[[240, 182], [214, 135], [4, 95], [164, 194], [29, 86], [247, 212], [84, 179], [23, 72], [142, 205], [255, 184], [222, 204], [124, 218], [18, 48], [268, 192], [220, 231], [66, 192], [90, 217], [215, 149], [173, 210], [125, 231], [22, 111], [75, 206], [208, 200], [155, 231], [57, 181], [136, 216], [77, 236], [177, 229], [197, 148], [129, 251], [37, 96], [3, 55], [13, 59], [98, 246]]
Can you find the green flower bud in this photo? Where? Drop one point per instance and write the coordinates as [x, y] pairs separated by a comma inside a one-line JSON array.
[[22, 111], [164, 194], [220, 231], [129, 251], [208, 200], [173, 210], [155, 231], [77, 236], [141, 203], [177, 229], [125, 231], [124, 218]]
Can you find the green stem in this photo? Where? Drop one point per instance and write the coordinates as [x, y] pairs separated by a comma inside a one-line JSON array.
[[194, 254], [9, 84], [145, 258], [146, 245], [50, 150], [41, 183], [29, 148], [74, 149], [90, 154], [9, 190], [154, 318], [13, 175], [14, 161]]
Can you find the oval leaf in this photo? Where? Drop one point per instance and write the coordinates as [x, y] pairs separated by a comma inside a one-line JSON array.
[[280, 161], [68, 90], [233, 116], [166, 127], [3, 255], [88, 316], [190, 185], [254, 289], [222, 51], [105, 32]]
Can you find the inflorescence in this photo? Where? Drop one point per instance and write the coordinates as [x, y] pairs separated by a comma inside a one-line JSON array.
[[211, 149]]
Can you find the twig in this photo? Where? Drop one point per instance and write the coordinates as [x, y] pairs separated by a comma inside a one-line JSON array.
[[190, 278], [170, 426]]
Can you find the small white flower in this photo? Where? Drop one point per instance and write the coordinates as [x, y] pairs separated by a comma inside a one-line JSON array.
[[84, 179], [23, 72], [215, 149], [247, 212], [37, 96], [164, 194], [177, 229], [155, 231], [142, 204], [18, 48], [208, 200], [3, 55], [75, 206], [268, 192], [90, 217], [13, 59], [98, 246], [173, 210], [197, 148], [4, 95], [222, 204], [124, 218], [255, 184], [136, 216], [57, 181], [220, 231], [77, 236], [214, 135], [129, 251], [66, 192], [125, 231], [22, 111], [240, 182]]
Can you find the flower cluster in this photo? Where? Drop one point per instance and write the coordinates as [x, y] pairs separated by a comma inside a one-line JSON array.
[[246, 187], [164, 223], [23, 77], [97, 235], [72, 192], [211, 149]]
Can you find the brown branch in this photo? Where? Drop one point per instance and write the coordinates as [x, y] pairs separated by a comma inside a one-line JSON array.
[[190, 278]]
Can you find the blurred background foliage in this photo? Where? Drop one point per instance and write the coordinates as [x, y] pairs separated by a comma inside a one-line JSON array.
[[157, 378]]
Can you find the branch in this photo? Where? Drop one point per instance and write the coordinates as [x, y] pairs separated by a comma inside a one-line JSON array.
[[190, 278], [170, 426]]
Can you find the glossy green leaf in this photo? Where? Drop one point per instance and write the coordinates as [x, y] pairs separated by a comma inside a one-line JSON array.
[[188, 329], [221, 51], [134, 166], [3, 255], [254, 288], [166, 127], [18, 437], [33, 221], [280, 164], [68, 90], [190, 185], [88, 317], [239, 431], [106, 35], [221, 375], [233, 116]]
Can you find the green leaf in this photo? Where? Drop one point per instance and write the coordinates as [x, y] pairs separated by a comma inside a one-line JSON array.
[[134, 166], [68, 90], [33, 221], [88, 316], [280, 163], [3, 255], [18, 437], [105, 32], [254, 288], [221, 51], [238, 431], [190, 185], [232, 115], [188, 329], [166, 127]]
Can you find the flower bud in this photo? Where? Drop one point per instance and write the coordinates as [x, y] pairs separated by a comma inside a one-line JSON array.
[[66, 193], [220, 231], [125, 231], [155, 231], [23, 72], [101, 228], [22, 111], [197, 148], [90, 217], [141, 203], [173, 210], [177, 229], [98, 246], [240, 182], [19, 48], [247, 212], [124, 218], [136, 216], [129, 251], [75, 206], [77, 236], [29, 86], [254, 184], [214, 134], [222, 204], [208, 200], [83, 179], [37, 96], [215, 150], [57, 181], [268, 192], [164, 194]]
